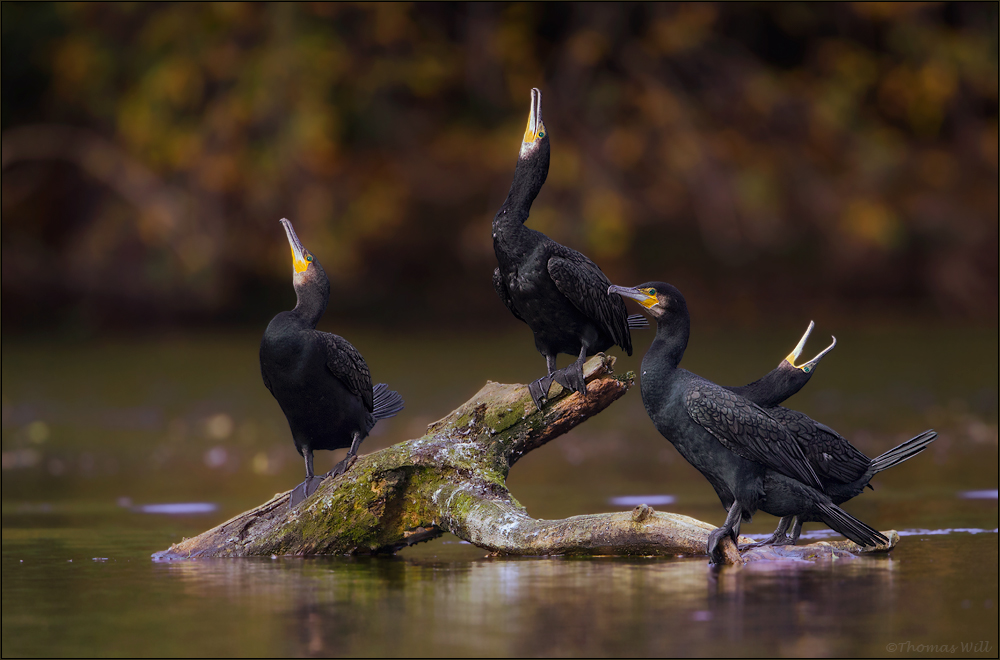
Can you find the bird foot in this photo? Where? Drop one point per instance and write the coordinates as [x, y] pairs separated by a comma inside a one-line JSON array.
[[539, 390], [303, 491], [714, 546], [342, 467], [571, 377], [715, 555], [774, 539]]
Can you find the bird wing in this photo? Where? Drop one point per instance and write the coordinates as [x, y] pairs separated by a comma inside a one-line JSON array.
[[504, 293], [345, 362], [748, 431], [585, 285], [831, 454]]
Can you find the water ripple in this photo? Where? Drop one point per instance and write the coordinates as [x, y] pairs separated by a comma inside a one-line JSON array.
[[636, 500], [978, 494], [178, 508], [820, 534], [940, 532]]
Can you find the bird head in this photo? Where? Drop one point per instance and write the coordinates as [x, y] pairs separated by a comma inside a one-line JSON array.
[[534, 133], [658, 298], [809, 366], [304, 264]]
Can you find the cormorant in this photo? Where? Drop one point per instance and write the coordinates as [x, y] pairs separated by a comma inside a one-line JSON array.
[[843, 470], [320, 380], [786, 379], [558, 292], [752, 460]]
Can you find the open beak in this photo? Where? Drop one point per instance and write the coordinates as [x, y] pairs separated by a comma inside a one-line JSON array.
[[643, 299], [299, 262], [797, 351]]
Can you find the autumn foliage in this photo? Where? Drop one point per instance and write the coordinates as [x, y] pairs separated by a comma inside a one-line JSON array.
[[844, 154]]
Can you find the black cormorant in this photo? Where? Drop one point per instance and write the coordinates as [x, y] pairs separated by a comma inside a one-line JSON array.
[[786, 379], [843, 470], [558, 292], [751, 459], [320, 380]]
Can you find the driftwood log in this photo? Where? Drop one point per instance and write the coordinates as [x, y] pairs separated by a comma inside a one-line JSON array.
[[453, 479]]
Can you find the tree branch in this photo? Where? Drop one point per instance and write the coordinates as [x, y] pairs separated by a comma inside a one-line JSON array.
[[453, 479]]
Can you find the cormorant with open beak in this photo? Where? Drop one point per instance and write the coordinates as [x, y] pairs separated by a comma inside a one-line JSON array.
[[752, 461], [841, 467]]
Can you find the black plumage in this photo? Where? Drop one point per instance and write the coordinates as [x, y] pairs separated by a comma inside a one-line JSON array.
[[320, 380], [752, 460], [843, 470], [558, 292]]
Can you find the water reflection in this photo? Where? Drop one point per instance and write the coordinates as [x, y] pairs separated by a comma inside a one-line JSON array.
[[445, 598], [396, 606]]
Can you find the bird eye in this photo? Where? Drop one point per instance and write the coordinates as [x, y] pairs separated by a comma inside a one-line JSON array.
[[651, 291], [309, 257], [541, 134], [807, 369]]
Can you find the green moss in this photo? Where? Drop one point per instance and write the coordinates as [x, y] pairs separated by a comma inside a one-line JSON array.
[[501, 418]]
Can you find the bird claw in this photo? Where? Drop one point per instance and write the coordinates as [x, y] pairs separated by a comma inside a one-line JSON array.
[[342, 467], [714, 546], [571, 378], [775, 540], [301, 492], [539, 390], [715, 554]]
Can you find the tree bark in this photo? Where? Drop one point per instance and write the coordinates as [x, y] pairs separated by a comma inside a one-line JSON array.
[[453, 479]]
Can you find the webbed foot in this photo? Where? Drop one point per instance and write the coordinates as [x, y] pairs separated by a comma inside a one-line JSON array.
[[715, 554], [304, 490], [342, 467], [731, 527], [571, 377], [539, 390], [779, 537], [774, 539]]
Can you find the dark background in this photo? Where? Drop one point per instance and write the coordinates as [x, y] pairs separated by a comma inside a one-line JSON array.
[[775, 161]]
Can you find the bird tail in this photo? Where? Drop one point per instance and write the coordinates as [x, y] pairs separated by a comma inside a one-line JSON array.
[[637, 322], [386, 402], [903, 452], [844, 523]]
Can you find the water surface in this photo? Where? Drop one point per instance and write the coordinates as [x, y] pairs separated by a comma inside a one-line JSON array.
[[112, 452]]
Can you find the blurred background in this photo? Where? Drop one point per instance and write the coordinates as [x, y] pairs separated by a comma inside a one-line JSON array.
[[777, 162], [765, 158]]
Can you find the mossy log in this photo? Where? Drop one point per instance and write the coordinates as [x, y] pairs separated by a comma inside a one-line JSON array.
[[453, 479]]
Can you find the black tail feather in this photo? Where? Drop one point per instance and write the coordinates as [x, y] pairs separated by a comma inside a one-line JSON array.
[[844, 523], [903, 452], [387, 402], [638, 322]]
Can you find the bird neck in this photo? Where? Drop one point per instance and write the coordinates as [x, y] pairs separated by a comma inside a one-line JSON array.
[[671, 340], [311, 297], [762, 392], [773, 388], [529, 175]]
